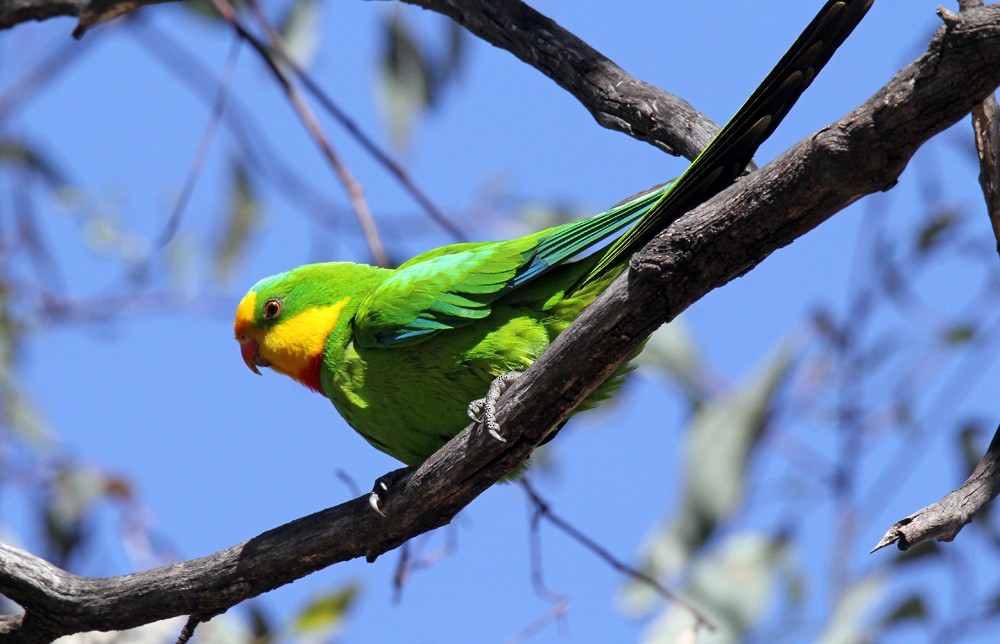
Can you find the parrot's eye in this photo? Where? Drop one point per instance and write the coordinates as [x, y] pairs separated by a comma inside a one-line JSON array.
[[271, 309]]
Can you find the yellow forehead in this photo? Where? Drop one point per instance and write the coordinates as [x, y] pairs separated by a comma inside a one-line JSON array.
[[245, 311]]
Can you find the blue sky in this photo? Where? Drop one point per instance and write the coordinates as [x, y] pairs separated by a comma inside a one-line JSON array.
[[219, 455]]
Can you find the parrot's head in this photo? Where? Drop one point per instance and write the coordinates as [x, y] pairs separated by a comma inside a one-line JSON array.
[[283, 323]]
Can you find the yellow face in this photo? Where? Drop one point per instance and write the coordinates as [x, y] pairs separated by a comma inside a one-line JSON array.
[[289, 345]]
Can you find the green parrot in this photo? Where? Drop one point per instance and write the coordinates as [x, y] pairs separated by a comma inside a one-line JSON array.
[[404, 353]]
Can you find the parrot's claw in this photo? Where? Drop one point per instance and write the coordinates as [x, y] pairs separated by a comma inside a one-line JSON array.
[[484, 410], [374, 498], [383, 488]]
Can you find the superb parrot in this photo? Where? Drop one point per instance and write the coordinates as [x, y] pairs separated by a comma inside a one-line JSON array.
[[403, 353]]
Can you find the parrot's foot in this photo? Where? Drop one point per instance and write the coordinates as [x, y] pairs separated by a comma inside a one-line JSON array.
[[484, 410], [384, 485]]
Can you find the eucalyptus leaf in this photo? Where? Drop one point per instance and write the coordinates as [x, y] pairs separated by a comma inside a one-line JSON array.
[[672, 350], [326, 612], [722, 435], [404, 84], [300, 32], [849, 622], [242, 220], [732, 586], [25, 156]]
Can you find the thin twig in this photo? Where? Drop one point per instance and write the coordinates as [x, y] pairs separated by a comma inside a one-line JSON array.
[[545, 510], [206, 143], [352, 128], [188, 631], [409, 564], [560, 602], [57, 62], [254, 146], [354, 191]]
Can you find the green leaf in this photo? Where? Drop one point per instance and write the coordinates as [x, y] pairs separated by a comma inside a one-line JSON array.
[[970, 446], [70, 497], [733, 586], [242, 220], [935, 230], [722, 435], [960, 334], [300, 32], [918, 553], [261, 629], [17, 413], [910, 608], [849, 621], [404, 88], [21, 154], [327, 612], [454, 57], [672, 350], [205, 9]]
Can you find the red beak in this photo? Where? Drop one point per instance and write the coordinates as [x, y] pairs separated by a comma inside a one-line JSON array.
[[248, 348]]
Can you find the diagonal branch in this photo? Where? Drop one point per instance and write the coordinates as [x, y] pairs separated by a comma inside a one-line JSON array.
[[986, 127], [89, 12], [863, 152], [943, 520], [616, 100], [355, 192]]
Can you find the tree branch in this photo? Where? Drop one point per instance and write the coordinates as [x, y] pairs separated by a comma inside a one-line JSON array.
[[615, 99], [986, 127], [718, 241], [943, 520], [89, 12]]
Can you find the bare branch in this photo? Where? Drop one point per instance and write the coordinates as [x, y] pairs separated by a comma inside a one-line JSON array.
[[727, 236], [943, 520], [543, 509], [616, 100], [986, 126], [354, 190], [218, 104], [89, 12]]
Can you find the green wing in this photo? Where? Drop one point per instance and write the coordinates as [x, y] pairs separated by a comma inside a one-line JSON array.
[[453, 286], [728, 154]]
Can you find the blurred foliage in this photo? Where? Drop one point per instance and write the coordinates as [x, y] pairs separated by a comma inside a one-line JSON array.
[[723, 432], [412, 77], [733, 546], [242, 220], [324, 616], [300, 32], [733, 586]]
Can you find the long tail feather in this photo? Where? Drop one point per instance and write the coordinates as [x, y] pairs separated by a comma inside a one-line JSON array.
[[728, 154]]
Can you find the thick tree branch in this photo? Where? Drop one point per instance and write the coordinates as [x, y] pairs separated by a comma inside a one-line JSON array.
[[722, 239], [943, 520], [616, 100], [89, 12]]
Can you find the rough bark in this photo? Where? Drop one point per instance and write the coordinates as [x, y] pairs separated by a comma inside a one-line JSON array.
[[88, 12], [617, 100], [943, 520], [727, 236]]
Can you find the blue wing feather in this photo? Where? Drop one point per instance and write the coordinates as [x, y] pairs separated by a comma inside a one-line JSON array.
[[453, 286]]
